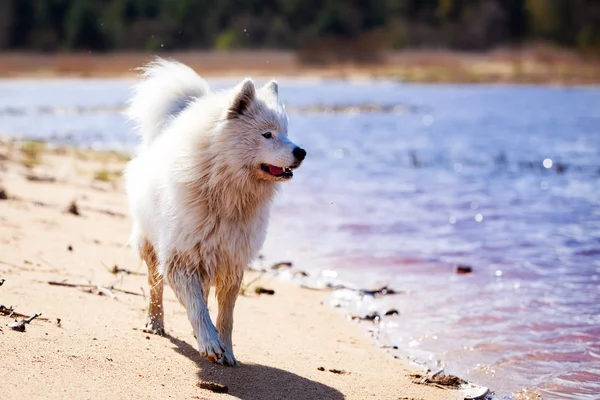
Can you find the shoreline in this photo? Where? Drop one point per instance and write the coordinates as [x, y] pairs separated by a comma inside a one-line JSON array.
[[535, 65], [87, 344]]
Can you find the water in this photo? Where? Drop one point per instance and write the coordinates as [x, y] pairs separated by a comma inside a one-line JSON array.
[[503, 179]]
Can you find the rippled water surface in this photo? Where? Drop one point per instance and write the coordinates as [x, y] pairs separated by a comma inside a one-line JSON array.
[[503, 179]]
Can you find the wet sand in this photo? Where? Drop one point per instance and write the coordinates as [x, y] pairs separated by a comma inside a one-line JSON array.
[[87, 344]]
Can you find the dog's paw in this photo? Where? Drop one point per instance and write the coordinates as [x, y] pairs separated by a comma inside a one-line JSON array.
[[229, 360], [154, 327], [212, 349]]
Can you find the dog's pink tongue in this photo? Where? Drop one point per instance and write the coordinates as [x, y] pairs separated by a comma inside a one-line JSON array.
[[275, 170]]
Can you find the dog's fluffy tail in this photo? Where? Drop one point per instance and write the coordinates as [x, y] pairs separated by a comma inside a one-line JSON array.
[[166, 88]]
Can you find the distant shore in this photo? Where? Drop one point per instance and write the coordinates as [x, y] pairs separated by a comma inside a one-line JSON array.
[[531, 65]]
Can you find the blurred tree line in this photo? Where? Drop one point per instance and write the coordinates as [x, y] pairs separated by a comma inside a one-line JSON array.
[[358, 25]]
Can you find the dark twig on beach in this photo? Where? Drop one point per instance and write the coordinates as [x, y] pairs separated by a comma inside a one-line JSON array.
[[337, 371], [117, 270], [20, 325], [2, 282], [40, 178], [281, 265], [334, 370], [375, 317], [381, 291], [105, 211], [15, 266], [262, 290], [10, 312], [105, 290], [311, 287]]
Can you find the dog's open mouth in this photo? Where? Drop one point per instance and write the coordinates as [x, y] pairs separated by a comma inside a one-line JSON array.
[[278, 172]]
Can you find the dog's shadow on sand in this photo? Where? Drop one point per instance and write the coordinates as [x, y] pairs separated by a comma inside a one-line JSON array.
[[255, 381]]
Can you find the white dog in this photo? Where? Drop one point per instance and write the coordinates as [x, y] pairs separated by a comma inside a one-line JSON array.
[[200, 190]]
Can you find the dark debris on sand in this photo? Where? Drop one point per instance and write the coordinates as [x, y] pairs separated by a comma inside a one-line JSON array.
[[20, 325], [213, 387], [338, 371], [73, 209], [262, 290], [334, 370], [374, 316], [439, 379]]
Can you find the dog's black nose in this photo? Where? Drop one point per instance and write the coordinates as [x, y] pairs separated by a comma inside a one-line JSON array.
[[299, 153]]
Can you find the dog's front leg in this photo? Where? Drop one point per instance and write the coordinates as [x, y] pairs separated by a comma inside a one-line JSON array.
[[188, 289], [227, 293]]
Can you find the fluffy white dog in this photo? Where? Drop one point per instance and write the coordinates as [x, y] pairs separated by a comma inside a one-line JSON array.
[[200, 190]]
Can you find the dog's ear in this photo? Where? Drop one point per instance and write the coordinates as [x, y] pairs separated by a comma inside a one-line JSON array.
[[245, 93], [272, 87]]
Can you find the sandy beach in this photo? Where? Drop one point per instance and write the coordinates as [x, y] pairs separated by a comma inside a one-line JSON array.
[[88, 344]]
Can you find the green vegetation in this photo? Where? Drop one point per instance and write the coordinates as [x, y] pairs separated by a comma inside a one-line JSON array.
[[245, 286], [150, 25], [32, 153], [104, 175]]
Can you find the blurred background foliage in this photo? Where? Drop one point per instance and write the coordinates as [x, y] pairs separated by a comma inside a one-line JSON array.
[[354, 28]]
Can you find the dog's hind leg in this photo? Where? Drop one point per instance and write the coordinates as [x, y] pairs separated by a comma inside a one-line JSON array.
[[155, 319], [188, 288], [227, 293]]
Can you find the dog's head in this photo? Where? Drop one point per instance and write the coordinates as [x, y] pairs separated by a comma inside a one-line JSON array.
[[256, 130]]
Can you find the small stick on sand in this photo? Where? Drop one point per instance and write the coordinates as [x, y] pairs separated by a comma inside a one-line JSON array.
[[127, 292], [262, 290], [12, 313], [107, 290], [105, 211], [116, 270], [20, 325]]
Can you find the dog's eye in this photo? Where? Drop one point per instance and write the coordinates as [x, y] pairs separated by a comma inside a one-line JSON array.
[[267, 135]]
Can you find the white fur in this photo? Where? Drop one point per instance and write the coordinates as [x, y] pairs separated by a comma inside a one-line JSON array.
[[197, 194]]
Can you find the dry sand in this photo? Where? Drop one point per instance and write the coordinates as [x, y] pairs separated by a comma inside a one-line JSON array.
[[98, 351]]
